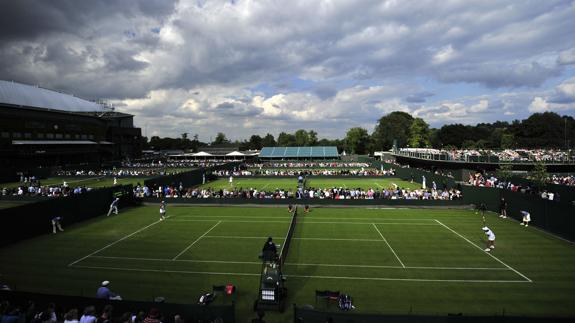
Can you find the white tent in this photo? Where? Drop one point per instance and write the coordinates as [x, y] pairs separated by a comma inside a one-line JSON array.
[[202, 154], [235, 153]]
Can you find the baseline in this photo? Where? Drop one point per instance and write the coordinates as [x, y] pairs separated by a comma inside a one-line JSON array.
[[303, 276], [300, 264]]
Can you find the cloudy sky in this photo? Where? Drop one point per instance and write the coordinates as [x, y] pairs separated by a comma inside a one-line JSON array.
[[258, 66]]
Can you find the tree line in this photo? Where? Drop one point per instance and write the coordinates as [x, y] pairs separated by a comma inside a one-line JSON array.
[[540, 130]]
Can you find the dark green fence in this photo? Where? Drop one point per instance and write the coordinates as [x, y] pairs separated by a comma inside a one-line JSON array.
[[33, 219], [319, 202], [553, 216], [224, 313], [304, 315]]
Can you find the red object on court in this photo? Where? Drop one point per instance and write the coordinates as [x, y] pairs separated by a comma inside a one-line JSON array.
[[230, 289]]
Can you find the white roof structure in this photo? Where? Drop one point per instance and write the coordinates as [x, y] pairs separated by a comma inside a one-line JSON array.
[[202, 154], [235, 153], [31, 96]]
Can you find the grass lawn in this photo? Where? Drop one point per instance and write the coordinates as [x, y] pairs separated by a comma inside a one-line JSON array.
[[392, 261], [304, 169], [93, 182], [363, 183], [291, 183], [4, 204], [255, 183]]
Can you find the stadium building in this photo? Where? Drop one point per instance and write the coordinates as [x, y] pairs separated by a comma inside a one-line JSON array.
[[44, 128]]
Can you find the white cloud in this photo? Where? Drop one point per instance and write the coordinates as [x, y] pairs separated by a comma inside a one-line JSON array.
[[444, 55], [194, 65], [567, 57], [538, 105]]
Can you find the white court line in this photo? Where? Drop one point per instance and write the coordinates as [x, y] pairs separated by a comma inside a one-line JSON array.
[[376, 183], [182, 260], [398, 267], [319, 239], [306, 276], [239, 221], [489, 254], [113, 243], [169, 271], [233, 217], [195, 241], [261, 189], [289, 217], [299, 264], [381, 235], [305, 222], [369, 223]]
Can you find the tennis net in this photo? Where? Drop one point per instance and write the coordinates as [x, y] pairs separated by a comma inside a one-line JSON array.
[[289, 235]]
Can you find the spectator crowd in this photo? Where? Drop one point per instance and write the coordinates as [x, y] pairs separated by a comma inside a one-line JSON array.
[[338, 193], [511, 155]]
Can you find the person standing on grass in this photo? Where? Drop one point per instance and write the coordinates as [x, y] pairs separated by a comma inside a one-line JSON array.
[[503, 208], [526, 218], [114, 206], [162, 211], [490, 238], [231, 180], [57, 224]]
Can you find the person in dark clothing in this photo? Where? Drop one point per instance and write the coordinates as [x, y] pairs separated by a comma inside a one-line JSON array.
[[503, 208], [270, 246]]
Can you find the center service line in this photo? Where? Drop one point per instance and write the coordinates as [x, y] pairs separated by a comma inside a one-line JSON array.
[[198, 239], [381, 235]]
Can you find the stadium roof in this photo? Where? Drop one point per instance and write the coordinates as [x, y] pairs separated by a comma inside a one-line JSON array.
[[299, 152], [31, 96]]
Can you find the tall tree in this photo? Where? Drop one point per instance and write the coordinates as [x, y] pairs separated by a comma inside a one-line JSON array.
[[255, 142], [507, 141], [220, 139], [419, 134], [539, 175], [301, 138], [268, 140], [312, 138], [286, 139], [504, 172], [392, 126], [356, 141]]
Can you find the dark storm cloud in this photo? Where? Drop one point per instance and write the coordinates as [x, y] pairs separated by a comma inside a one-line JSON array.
[[237, 110], [28, 19], [351, 55], [419, 97]]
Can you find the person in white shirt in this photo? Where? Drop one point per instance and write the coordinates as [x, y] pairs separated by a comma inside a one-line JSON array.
[[89, 315], [162, 211], [490, 238], [526, 218], [114, 206]]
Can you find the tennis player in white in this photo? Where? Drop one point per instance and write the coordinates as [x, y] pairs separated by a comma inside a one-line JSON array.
[[526, 218], [490, 239]]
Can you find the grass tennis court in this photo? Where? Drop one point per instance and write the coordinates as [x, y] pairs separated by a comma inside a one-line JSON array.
[[92, 182], [393, 261], [291, 183], [363, 183], [4, 204]]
